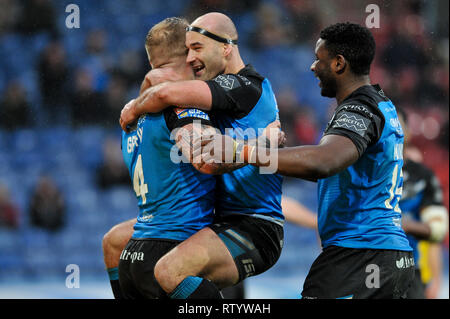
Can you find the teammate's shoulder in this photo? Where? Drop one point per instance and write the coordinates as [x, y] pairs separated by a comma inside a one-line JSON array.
[[360, 109], [249, 72], [369, 95], [245, 78], [371, 92], [364, 100]]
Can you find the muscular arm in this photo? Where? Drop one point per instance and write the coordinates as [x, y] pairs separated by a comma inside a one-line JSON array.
[[333, 154], [156, 98], [182, 93], [185, 138]]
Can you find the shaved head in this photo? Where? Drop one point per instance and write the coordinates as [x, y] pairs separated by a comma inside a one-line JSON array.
[[212, 46], [217, 23]]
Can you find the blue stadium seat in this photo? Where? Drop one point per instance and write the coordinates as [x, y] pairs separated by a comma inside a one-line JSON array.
[[3, 77], [10, 239], [74, 44], [245, 24], [10, 43], [5, 141], [87, 142], [36, 238], [29, 79], [38, 42], [11, 265], [25, 140]]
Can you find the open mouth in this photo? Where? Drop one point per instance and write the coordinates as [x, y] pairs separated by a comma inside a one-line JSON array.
[[198, 69], [317, 77]]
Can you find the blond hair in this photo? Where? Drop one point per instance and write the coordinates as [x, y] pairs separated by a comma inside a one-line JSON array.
[[170, 35]]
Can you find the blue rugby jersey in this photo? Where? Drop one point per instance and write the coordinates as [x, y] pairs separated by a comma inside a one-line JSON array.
[[245, 101], [174, 199], [359, 206], [421, 188]]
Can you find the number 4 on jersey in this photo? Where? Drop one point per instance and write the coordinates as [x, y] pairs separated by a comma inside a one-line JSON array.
[[139, 185]]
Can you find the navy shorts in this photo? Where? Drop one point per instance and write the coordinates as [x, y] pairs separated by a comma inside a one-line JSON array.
[[254, 243], [136, 268], [349, 273]]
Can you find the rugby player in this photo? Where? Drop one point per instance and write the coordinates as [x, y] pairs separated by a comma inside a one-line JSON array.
[[358, 167], [246, 237], [175, 199], [424, 214]]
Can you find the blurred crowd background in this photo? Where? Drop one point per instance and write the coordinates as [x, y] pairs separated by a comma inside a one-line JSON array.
[[62, 180]]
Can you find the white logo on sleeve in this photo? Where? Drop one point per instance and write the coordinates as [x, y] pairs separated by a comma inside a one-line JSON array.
[[351, 122]]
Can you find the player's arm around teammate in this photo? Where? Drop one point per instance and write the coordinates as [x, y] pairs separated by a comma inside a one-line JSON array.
[[357, 164], [118, 236], [204, 263], [163, 69]]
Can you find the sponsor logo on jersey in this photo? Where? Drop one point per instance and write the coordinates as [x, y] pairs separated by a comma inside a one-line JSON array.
[[243, 78], [179, 110], [133, 256], [228, 82], [360, 108], [381, 92], [352, 122], [395, 123], [146, 217], [183, 113]]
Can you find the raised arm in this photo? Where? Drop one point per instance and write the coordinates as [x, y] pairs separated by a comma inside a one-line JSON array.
[[158, 97]]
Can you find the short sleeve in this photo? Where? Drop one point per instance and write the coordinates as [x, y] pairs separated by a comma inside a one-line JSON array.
[[234, 94], [358, 123]]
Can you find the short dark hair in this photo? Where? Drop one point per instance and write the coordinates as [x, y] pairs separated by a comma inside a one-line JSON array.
[[354, 42]]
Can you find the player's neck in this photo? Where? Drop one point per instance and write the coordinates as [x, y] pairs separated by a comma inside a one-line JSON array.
[[235, 64], [350, 85]]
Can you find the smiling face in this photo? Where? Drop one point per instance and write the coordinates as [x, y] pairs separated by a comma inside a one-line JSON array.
[[323, 71], [205, 55]]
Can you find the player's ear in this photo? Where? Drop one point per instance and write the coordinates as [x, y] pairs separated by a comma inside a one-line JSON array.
[[227, 50], [339, 64]]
